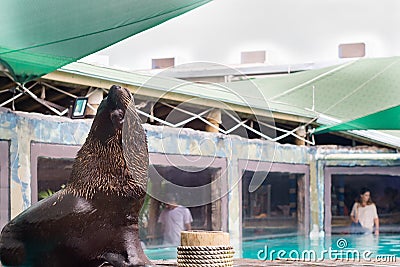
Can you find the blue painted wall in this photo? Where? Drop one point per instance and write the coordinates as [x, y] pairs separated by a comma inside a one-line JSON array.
[[21, 129]]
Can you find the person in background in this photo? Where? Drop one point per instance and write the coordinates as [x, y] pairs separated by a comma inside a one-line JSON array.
[[364, 213], [174, 219]]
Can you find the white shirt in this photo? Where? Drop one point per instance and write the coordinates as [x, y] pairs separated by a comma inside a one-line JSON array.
[[365, 215], [174, 223]]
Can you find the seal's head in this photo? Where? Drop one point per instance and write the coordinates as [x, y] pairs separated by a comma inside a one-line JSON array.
[[102, 164], [111, 112]]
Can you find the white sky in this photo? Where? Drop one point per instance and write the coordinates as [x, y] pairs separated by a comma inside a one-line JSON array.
[[290, 31]]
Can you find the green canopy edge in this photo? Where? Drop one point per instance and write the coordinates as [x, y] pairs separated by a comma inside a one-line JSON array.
[[388, 119], [30, 49]]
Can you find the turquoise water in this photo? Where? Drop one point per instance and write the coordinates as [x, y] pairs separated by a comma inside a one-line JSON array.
[[334, 247], [161, 253]]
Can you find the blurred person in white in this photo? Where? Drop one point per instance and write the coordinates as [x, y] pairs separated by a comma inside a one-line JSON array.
[[174, 219], [363, 215]]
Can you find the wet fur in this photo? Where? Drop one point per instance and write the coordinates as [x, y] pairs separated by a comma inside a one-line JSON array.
[[94, 220]]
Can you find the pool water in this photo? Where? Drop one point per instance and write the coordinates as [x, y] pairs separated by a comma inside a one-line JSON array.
[[337, 246], [167, 253], [334, 247]]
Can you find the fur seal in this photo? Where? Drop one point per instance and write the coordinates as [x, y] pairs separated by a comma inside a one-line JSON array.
[[93, 221]]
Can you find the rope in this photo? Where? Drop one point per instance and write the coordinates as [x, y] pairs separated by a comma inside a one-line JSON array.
[[196, 256]]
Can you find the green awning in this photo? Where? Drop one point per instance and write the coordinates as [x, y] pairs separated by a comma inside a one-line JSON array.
[[388, 119], [38, 37]]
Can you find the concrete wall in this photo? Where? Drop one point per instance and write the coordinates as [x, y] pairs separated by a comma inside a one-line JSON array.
[[239, 153], [332, 160], [20, 130]]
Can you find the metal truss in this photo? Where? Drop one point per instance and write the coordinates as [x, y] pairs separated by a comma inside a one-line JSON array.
[[229, 131], [61, 111], [23, 90]]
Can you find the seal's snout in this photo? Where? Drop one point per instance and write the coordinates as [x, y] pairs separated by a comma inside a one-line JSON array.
[[118, 101], [117, 118]]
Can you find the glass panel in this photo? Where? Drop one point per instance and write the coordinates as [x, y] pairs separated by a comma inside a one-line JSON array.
[[384, 190], [4, 184], [272, 209], [52, 174], [151, 230]]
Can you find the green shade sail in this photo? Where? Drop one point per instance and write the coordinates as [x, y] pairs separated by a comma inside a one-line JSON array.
[[40, 36], [388, 119]]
